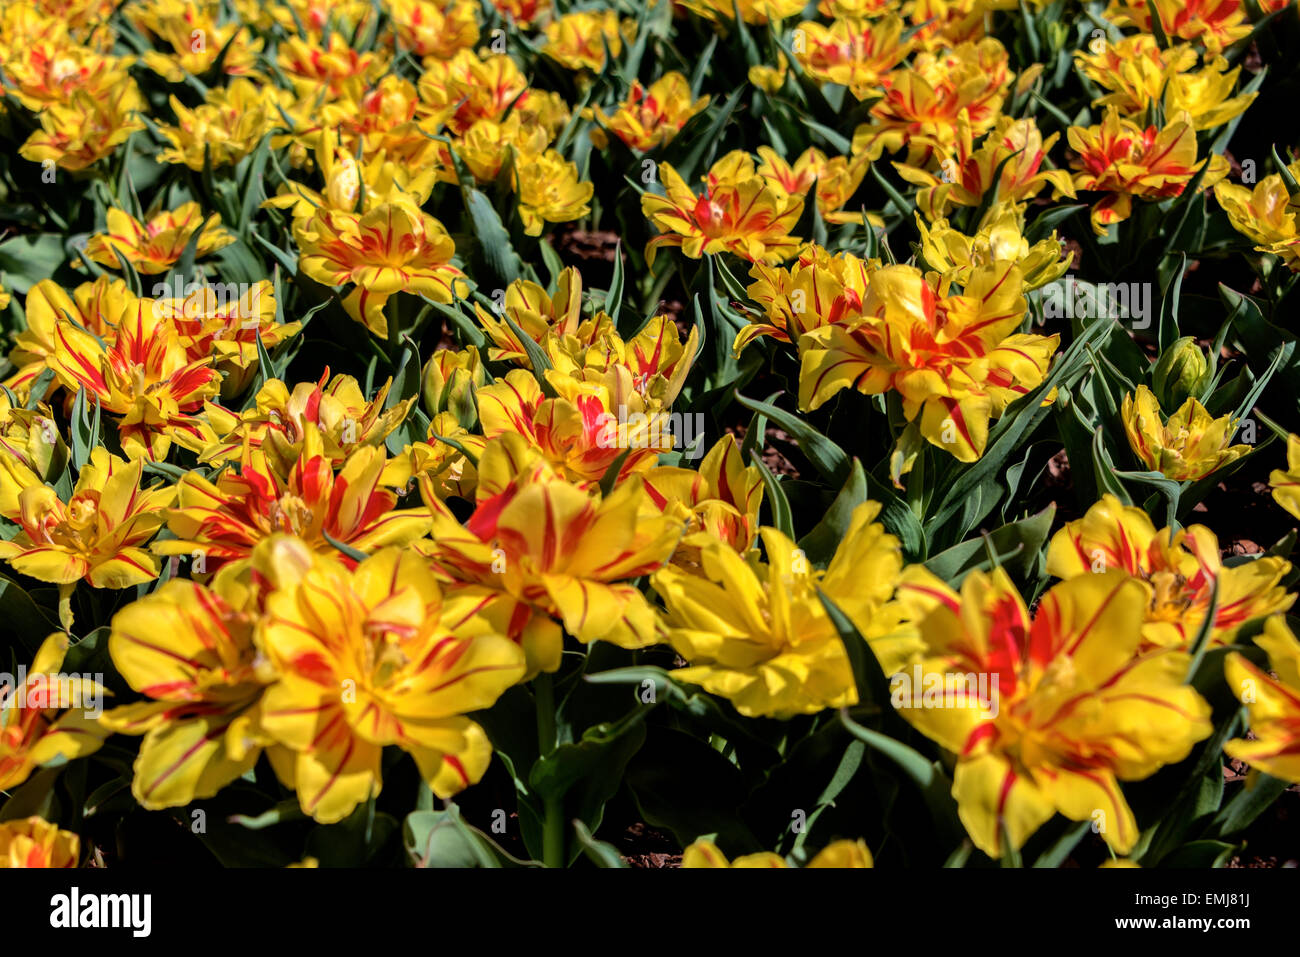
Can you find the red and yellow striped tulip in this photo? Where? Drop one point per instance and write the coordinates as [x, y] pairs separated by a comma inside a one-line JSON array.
[[1183, 569], [955, 360], [49, 716], [34, 842], [1272, 702], [224, 521], [1189, 445], [97, 535], [189, 650], [375, 657], [1050, 714], [144, 377]]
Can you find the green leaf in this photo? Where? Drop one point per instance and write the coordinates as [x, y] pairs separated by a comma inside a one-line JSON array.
[[537, 357], [614, 295], [582, 776], [782, 517], [1017, 546], [820, 544], [870, 681], [1018, 420], [1257, 795], [346, 549], [23, 618], [600, 853], [899, 518], [711, 138], [1062, 848], [492, 236], [681, 783], [33, 798], [827, 457], [26, 260], [1200, 855], [927, 776], [443, 839]]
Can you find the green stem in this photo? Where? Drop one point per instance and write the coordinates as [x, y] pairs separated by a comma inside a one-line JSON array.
[[553, 822]]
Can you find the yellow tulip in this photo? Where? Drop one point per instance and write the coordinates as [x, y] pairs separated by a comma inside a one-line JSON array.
[[1000, 239], [954, 359], [375, 657], [579, 40], [739, 212], [1267, 214], [1009, 159], [1286, 484], [155, 246], [223, 521], [1214, 24], [1188, 446], [1137, 73], [1123, 159], [840, 854], [853, 52], [549, 191], [923, 103], [99, 307], [650, 118], [97, 535], [1050, 714], [189, 650], [569, 552], [225, 127], [145, 377], [279, 420], [759, 635], [84, 130], [390, 249], [535, 312], [1183, 568], [818, 289], [1272, 703], [720, 500], [34, 842], [49, 716]]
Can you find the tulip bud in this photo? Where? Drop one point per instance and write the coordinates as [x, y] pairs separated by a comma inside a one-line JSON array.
[[344, 186], [1181, 371], [450, 379], [1057, 34]]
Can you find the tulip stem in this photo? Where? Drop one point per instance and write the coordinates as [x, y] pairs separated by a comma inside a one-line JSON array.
[[553, 807]]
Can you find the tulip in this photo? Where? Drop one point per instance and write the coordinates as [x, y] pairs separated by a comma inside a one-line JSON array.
[[1181, 372], [155, 246], [1272, 703], [1189, 446], [1183, 568], [759, 635], [97, 535], [375, 657], [1069, 709], [40, 724], [34, 842]]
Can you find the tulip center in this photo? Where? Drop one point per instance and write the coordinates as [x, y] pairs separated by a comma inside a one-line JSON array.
[[386, 660], [1171, 598], [83, 510], [289, 513]]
